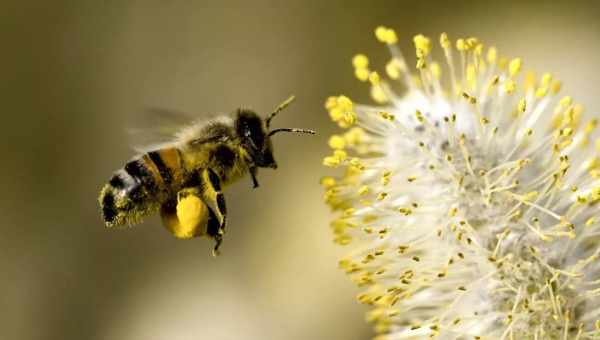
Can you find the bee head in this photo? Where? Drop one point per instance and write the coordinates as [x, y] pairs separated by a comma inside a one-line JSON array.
[[256, 136]]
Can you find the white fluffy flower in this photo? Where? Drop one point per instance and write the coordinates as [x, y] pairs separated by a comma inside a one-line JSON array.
[[468, 200]]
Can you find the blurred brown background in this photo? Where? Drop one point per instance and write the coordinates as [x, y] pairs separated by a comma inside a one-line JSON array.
[[75, 74]]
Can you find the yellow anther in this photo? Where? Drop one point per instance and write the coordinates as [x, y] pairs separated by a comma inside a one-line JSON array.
[[453, 212], [363, 190], [522, 106], [422, 45], [385, 178], [444, 41], [541, 92], [339, 109], [328, 182], [478, 50], [421, 64], [385, 181], [344, 103], [530, 196], [349, 119], [331, 161], [340, 154], [592, 163], [387, 116], [337, 142], [392, 68], [555, 87], [380, 33], [546, 79], [360, 61], [529, 132], [471, 42], [590, 222], [355, 136], [514, 67], [566, 132], [510, 86], [469, 98], [566, 101], [355, 163], [461, 45], [492, 55], [382, 196], [348, 212], [419, 115], [374, 78], [495, 81], [336, 114], [386, 35], [379, 95], [595, 195], [362, 74], [411, 178], [590, 126], [331, 102]]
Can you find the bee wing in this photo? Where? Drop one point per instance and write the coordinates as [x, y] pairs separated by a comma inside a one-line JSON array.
[[159, 126]]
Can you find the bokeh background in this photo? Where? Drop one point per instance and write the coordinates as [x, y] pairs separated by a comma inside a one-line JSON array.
[[76, 74]]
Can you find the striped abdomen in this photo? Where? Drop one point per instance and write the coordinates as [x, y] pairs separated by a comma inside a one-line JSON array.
[[142, 186]]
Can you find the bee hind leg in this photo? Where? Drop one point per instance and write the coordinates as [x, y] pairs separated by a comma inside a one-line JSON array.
[[253, 173], [213, 197]]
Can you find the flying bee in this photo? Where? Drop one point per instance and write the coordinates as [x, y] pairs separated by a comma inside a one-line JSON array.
[[184, 178]]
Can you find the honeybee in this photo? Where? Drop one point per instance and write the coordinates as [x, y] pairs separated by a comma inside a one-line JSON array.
[[184, 178]]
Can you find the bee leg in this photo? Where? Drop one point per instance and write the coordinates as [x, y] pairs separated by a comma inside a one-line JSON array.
[[214, 230], [253, 173], [213, 197], [218, 241]]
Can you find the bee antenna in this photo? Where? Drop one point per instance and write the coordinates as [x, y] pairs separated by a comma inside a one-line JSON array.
[[291, 130], [279, 108]]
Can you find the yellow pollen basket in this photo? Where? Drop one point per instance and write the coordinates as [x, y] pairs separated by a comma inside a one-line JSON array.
[[189, 220]]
